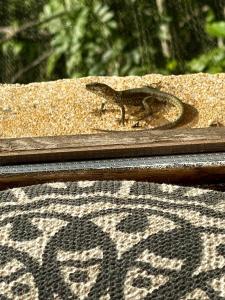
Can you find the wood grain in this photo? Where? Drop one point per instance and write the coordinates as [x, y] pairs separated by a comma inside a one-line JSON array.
[[185, 169], [97, 150], [185, 176], [111, 145]]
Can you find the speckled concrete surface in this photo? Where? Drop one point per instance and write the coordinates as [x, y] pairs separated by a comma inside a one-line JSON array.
[[65, 107]]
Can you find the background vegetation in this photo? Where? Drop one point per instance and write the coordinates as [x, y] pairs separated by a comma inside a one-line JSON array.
[[52, 39]]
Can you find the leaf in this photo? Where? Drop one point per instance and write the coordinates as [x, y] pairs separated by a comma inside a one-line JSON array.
[[197, 65], [216, 29], [171, 65], [51, 63], [17, 48], [211, 61], [108, 16], [72, 62]]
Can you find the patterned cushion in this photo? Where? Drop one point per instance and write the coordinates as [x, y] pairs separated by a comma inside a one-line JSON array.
[[112, 240]]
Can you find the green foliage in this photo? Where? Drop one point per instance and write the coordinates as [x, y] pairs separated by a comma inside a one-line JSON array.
[[212, 61], [13, 48], [216, 29], [19, 51], [80, 37], [94, 37]]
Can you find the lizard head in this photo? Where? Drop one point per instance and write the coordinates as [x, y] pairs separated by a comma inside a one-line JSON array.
[[100, 89]]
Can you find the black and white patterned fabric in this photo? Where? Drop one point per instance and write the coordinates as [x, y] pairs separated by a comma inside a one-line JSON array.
[[112, 240]]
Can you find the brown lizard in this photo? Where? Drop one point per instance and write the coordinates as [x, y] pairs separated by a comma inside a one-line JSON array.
[[136, 97]]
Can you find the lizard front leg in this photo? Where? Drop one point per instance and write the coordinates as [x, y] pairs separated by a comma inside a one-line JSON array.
[[102, 109], [122, 120]]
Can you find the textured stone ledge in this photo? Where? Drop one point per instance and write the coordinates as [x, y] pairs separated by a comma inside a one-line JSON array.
[[65, 107]]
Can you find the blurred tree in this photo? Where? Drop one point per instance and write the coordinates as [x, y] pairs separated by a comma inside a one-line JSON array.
[[20, 39], [213, 60], [51, 39]]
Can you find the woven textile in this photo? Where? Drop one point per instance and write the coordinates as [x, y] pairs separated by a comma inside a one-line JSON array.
[[112, 240]]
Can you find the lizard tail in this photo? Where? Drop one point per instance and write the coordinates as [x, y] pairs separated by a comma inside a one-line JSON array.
[[169, 125], [178, 104]]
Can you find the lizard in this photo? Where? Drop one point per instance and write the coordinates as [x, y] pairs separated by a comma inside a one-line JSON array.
[[142, 96]]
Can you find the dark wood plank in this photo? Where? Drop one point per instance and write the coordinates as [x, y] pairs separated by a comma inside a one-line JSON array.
[[184, 176], [111, 145], [208, 168]]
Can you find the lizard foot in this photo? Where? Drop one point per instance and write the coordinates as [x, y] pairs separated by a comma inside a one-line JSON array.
[[121, 122], [136, 125], [102, 111]]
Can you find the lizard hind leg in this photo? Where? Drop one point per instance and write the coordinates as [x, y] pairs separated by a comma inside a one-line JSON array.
[[147, 108]]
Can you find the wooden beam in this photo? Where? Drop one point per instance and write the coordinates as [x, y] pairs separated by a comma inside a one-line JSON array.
[[184, 176], [111, 145], [183, 169]]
